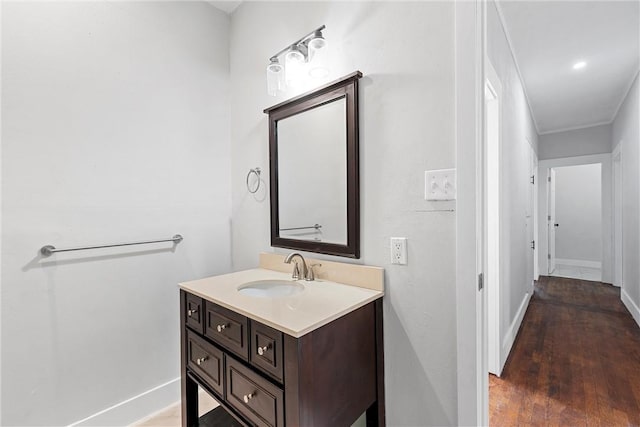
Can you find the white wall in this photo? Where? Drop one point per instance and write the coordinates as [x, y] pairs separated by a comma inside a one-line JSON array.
[[406, 127], [626, 134], [115, 118], [518, 131], [572, 143], [579, 213]]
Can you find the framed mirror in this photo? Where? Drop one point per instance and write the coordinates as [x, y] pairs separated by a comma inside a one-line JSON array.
[[314, 170]]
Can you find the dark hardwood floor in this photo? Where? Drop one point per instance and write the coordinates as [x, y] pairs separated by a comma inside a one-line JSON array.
[[576, 361]]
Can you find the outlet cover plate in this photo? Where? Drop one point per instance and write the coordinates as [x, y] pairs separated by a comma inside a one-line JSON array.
[[440, 184], [399, 250]]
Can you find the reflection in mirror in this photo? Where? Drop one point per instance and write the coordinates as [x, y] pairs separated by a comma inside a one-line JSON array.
[[312, 172]]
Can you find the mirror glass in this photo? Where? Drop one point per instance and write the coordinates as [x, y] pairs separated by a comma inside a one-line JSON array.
[[314, 170], [312, 174]]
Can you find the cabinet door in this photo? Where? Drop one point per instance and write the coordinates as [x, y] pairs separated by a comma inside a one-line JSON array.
[[253, 396]]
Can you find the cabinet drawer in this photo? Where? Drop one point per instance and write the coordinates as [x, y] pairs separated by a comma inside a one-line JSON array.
[[227, 328], [253, 396], [266, 350], [207, 361], [194, 312]]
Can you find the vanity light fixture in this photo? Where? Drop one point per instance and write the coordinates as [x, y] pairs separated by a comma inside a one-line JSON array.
[[306, 56]]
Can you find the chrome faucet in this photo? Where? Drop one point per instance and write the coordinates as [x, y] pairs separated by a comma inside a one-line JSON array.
[[296, 269], [307, 271]]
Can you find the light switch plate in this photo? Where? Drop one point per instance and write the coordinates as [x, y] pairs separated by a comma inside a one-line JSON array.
[[440, 184]]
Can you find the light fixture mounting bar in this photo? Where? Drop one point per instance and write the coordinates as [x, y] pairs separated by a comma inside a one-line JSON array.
[[297, 42]]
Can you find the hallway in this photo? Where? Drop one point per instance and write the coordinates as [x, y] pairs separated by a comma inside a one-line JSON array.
[[576, 360]]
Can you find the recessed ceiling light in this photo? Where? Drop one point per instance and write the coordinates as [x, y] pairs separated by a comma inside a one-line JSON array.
[[579, 65]]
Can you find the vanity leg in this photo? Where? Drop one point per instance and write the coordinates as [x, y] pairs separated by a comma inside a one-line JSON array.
[[189, 402], [188, 387], [376, 412]]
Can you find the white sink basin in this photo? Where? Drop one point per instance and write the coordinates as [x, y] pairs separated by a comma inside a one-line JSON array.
[[271, 288]]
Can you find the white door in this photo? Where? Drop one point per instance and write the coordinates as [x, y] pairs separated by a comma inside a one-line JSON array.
[[492, 167], [534, 174], [617, 219], [529, 214], [551, 220]]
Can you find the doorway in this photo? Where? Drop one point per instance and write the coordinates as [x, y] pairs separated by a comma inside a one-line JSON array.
[[574, 222]]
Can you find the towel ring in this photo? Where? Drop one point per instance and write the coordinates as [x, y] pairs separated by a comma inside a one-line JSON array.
[[255, 171]]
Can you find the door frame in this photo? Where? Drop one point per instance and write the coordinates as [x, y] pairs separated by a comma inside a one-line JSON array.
[[551, 221], [607, 208], [472, 380], [618, 215]]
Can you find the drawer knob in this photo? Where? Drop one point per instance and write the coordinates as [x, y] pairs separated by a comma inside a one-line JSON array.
[[201, 360], [263, 350], [191, 312], [221, 327], [248, 397]]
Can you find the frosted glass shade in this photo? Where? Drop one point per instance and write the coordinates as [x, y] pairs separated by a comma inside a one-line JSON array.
[[294, 66], [275, 78], [318, 58]]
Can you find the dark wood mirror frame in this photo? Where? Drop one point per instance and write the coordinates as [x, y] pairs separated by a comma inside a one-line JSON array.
[[347, 88]]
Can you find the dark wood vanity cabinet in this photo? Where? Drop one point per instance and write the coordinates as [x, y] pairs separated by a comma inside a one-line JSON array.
[[263, 377]]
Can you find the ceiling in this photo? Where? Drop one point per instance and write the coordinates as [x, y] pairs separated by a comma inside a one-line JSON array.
[[226, 6], [549, 37]]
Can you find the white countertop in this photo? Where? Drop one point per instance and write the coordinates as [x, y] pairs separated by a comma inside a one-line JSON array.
[[319, 303]]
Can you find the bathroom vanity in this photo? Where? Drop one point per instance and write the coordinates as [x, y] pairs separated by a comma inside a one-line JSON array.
[[311, 355]]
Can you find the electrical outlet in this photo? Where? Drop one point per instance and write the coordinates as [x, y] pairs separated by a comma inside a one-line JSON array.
[[399, 250]]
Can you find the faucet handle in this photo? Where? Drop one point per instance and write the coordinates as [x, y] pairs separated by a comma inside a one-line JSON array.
[[296, 271], [310, 276]]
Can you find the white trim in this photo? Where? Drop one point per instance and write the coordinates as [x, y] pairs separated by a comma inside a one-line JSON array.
[[617, 223], [1, 206], [578, 127], [631, 306], [514, 328], [472, 377], [626, 94], [136, 407], [579, 263], [515, 61], [574, 161], [617, 150]]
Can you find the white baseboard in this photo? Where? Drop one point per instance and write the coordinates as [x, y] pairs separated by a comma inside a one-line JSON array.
[[631, 306], [135, 408], [579, 263], [512, 332]]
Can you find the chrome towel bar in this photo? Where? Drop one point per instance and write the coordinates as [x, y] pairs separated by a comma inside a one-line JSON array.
[[316, 226], [48, 250]]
